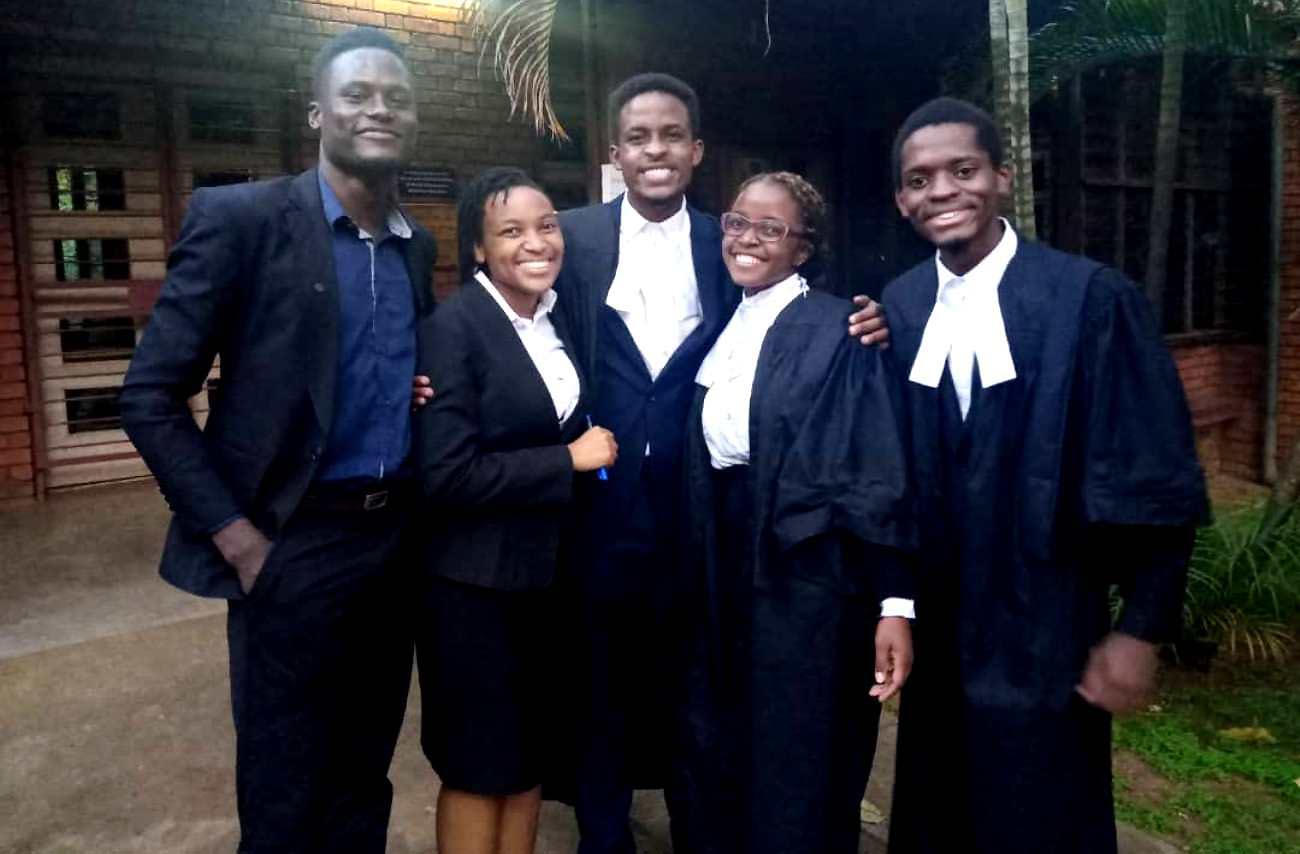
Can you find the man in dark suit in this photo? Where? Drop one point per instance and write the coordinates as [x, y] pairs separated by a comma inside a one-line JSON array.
[[645, 294], [291, 502]]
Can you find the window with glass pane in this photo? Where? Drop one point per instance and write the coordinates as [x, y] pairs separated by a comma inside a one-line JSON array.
[[92, 409], [222, 178], [86, 188], [1217, 264], [92, 258], [81, 115], [90, 339], [216, 120]]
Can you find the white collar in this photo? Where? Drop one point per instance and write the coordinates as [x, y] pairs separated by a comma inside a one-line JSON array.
[[772, 299], [748, 326], [978, 321], [631, 222], [988, 272], [544, 306]]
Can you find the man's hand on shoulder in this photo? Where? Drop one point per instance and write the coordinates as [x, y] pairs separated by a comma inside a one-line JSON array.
[[245, 548], [869, 325], [421, 391], [1120, 673]]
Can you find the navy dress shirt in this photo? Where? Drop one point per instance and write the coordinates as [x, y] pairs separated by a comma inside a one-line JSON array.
[[371, 432]]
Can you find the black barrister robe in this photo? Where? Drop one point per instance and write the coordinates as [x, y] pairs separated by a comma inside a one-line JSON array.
[[1079, 473], [779, 730]]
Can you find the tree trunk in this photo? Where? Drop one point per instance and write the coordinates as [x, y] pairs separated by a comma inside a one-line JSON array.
[[1166, 161], [1000, 62], [1019, 139]]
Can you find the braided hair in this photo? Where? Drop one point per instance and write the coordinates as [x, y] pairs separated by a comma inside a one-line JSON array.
[[812, 207]]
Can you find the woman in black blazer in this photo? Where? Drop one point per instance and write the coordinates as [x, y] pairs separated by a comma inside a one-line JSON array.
[[501, 447]]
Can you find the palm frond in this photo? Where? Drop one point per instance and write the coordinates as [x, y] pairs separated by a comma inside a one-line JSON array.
[[1092, 33], [1243, 584], [1242, 636], [518, 34]]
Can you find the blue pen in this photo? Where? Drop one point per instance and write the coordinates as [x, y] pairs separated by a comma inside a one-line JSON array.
[[601, 474]]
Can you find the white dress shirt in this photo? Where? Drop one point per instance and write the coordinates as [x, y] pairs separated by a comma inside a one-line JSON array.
[[654, 288], [728, 371], [728, 374], [544, 348], [966, 327]]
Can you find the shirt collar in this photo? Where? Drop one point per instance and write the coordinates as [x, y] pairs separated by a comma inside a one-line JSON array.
[[988, 272], [773, 299], [396, 222], [631, 222], [544, 307]]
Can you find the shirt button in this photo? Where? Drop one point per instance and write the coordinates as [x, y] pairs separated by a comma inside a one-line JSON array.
[[318, 287]]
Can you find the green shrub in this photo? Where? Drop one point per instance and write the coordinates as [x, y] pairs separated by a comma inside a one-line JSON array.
[[1243, 586]]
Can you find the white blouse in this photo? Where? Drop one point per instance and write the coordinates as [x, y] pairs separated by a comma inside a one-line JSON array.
[[728, 371], [544, 347]]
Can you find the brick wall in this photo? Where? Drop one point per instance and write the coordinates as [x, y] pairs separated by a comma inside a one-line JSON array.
[[1225, 387], [211, 44], [16, 469], [464, 114]]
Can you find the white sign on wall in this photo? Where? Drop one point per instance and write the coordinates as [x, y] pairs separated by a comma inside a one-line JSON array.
[[611, 182]]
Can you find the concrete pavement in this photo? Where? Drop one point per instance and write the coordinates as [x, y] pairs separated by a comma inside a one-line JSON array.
[[115, 733]]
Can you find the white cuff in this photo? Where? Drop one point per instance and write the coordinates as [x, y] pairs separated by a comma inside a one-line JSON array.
[[898, 607]]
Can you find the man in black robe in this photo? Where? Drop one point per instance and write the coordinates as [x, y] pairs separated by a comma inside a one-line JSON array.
[[1053, 457]]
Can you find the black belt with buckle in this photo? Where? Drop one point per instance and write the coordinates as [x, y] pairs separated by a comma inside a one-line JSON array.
[[358, 497]]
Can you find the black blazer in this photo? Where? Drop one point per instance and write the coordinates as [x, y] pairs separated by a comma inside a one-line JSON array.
[[250, 280], [491, 454], [626, 400]]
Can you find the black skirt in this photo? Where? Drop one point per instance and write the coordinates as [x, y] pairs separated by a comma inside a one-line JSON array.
[[482, 655]]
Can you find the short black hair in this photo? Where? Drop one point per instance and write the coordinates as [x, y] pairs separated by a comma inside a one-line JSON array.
[[653, 81], [342, 43], [473, 202], [948, 111]]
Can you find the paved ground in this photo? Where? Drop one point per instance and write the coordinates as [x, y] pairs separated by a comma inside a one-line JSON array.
[[115, 733]]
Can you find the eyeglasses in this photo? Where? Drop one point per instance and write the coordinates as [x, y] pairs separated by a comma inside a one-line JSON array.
[[767, 230]]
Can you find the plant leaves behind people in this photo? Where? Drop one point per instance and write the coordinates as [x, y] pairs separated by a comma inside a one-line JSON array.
[[1092, 33], [518, 32], [1243, 585]]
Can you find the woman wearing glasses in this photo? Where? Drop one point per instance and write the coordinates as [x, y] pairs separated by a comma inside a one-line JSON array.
[[800, 531]]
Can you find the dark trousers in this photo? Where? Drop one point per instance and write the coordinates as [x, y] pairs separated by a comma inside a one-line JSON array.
[[630, 602], [320, 665]]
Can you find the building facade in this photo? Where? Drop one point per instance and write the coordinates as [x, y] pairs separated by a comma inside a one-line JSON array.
[[111, 114]]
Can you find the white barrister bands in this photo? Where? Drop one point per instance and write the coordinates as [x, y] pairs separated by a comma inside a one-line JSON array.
[[966, 327]]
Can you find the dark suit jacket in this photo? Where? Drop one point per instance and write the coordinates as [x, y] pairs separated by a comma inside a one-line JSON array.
[[491, 454], [637, 409], [251, 280]]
